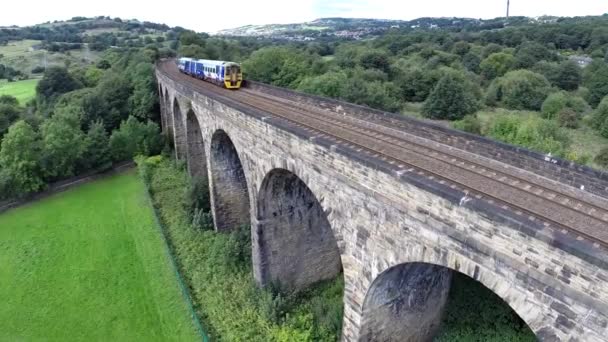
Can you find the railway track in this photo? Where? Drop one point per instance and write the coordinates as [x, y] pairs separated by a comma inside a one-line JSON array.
[[565, 208]]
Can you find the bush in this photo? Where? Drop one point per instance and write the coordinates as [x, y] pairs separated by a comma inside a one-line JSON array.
[[557, 102], [531, 132], [38, 70], [520, 89], [197, 198], [568, 118], [451, 99], [600, 118], [582, 159], [469, 123], [602, 158]]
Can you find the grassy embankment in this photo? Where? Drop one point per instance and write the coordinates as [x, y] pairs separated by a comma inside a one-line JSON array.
[[89, 264]]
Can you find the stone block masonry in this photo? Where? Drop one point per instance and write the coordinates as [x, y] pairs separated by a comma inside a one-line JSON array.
[[315, 206]]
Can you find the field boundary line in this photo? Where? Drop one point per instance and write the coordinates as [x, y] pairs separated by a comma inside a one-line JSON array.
[[66, 184], [174, 265]]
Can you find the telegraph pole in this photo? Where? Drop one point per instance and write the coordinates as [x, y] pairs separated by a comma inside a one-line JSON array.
[[508, 5]]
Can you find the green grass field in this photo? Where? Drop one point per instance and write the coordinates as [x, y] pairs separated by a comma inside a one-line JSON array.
[[89, 265], [22, 90]]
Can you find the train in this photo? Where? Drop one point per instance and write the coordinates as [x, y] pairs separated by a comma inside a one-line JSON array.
[[222, 73]]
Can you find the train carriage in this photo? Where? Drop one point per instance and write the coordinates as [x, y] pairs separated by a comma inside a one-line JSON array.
[[222, 73]]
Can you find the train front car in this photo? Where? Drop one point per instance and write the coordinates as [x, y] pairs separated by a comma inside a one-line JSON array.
[[233, 76], [221, 73]]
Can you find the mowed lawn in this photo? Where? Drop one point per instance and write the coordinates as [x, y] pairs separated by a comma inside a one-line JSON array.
[[22, 90], [89, 265]]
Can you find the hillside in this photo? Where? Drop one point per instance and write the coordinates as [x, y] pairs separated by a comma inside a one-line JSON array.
[[78, 41], [355, 28]]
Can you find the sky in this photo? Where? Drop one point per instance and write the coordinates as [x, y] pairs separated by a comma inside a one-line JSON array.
[[211, 16]]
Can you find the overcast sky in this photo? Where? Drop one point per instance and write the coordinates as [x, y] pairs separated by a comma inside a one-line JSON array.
[[211, 16]]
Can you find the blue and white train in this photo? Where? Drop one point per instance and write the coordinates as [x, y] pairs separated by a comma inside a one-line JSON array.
[[221, 73]]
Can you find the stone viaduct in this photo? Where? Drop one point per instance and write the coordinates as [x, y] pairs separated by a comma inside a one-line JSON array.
[[317, 208]]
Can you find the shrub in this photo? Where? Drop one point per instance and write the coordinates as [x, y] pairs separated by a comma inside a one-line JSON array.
[[470, 123], [520, 89], [600, 118], [602, 158], [38, 70], [582, 159], [451, 99], [531, 132], [568, 118], [197, 198], [557, 102]]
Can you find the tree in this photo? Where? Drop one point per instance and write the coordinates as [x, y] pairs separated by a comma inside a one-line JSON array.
[[9, 100], [471, 62], [144, 98], [519, 89], [192, 51], [112, 93], [496, 65], [56, 81], [330, 84], [62, 142], [451, 98], [529, 53], [375, 59], [278, 65], [416, 83], [20, 156], [491, 49], [557, 102], [461, 48], [191, 38], [569, 76], [97, 150], [9, 113], [597, 82], [135, 138]]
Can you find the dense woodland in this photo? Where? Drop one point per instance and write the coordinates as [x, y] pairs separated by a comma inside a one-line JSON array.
[[524, 74]]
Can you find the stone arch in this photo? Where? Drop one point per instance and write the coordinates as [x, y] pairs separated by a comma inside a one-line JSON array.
[[406, 302], [179, 134], [197, 161], [293, 242], [229, 195]]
